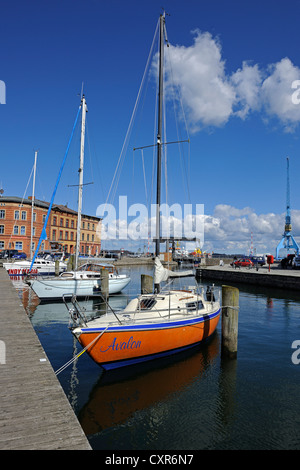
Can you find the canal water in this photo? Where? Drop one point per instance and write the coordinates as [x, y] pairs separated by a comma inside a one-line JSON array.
[[195, 400]]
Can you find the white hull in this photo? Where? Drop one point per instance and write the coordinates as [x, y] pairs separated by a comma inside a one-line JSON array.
[[55, 288], [40, 267]]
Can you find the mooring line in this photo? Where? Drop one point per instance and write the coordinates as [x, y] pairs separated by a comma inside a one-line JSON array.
[[79, 354]]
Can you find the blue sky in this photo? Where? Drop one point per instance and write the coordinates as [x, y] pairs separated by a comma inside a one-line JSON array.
[[235, 62]]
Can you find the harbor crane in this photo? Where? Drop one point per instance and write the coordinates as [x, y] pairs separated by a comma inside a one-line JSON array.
[[287, 242]]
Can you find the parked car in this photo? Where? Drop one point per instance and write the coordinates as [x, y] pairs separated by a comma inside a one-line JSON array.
[[243, 262], [296, 262], [258, 260], [20, 255], [8, 253]]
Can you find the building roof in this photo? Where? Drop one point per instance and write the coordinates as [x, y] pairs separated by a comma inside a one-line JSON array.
[[20, 200], [43, 204]]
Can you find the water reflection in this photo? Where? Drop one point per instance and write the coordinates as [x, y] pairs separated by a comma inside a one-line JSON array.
[[118, 395]]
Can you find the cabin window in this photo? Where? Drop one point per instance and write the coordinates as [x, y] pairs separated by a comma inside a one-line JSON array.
[[147, 303], [192, 306]]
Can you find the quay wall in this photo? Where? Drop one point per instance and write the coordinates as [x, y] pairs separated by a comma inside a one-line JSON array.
[[280, 278]]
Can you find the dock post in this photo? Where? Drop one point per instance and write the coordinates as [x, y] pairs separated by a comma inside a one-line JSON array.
[[230, 315], [146, 284], [104, 283], [71, 263], [57, 267]]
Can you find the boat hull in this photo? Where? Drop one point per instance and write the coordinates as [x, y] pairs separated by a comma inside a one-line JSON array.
[[56, 288], [22, 268], [122, 346]]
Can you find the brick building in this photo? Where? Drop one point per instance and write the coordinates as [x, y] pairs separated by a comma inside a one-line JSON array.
[[16, 221]]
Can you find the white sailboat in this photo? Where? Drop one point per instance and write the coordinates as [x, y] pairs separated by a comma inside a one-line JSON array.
[[84, 281], [44, 264], [152, 325]]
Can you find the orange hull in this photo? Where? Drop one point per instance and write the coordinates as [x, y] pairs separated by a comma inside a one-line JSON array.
[[116, 347]]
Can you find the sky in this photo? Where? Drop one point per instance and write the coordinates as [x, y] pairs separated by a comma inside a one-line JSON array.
[[234, 64]]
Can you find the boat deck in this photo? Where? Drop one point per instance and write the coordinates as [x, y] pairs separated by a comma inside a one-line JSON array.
[[35, 412]]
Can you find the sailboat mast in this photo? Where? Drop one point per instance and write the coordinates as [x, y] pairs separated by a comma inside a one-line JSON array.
[[80, 171], [32, 204], [159, 136]]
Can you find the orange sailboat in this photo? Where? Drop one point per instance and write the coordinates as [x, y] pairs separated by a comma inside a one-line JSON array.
[[152, 325]]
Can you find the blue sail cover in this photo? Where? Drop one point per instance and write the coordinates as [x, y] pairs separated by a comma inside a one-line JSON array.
[[43, 233]]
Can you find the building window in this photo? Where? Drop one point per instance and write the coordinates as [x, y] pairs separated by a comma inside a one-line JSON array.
[[60, 235], [61, 222], [93, 226], [1, 228], [88, 226], [72, 235], [72, 223], [66, 236], [17, 215], [54, 220], [23, 230], [34, 217], [44, 218], [67, 223], [16, 230], [92, 238], [82, 237], [1, 245], [24, 215], [54, 235], [33, 231], [88, 237], [19, 245], [2, 214], [82, 224]]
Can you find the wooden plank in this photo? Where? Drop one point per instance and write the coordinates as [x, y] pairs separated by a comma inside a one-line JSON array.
[[35, 413]]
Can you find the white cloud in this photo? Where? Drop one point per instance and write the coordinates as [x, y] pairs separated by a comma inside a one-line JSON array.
[[277, 92], [212, 95], [247, 82], [199, 71], [229, 230]]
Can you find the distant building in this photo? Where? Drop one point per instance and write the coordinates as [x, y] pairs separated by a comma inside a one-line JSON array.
[[15, 227]]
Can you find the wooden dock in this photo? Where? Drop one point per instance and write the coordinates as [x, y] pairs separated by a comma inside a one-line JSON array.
[[35, 413]]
